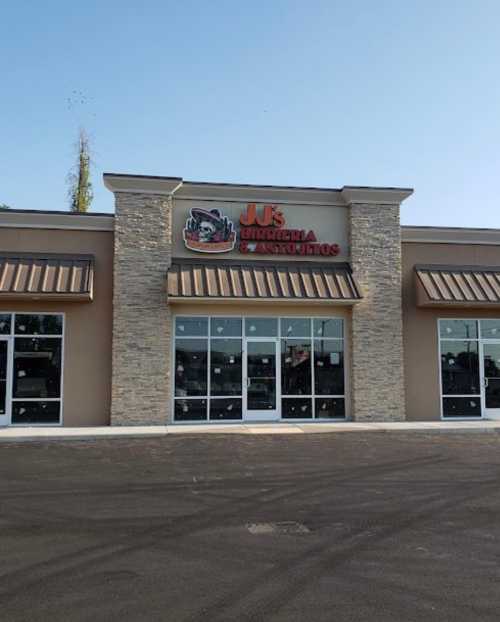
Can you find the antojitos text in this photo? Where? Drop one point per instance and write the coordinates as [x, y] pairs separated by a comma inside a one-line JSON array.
[[264, 233]]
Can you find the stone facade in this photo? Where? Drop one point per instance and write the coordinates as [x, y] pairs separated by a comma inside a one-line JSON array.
[[377, 374], [141, 317]]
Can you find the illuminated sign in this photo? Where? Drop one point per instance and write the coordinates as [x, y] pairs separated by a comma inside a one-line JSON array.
[[265, 233], [262, 231]]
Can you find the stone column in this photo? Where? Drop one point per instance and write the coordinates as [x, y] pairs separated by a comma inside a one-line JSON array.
[[141, 317], [377, 373]]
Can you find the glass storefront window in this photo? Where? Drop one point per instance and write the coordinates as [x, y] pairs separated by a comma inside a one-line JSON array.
[[462, 406], [460, 367], [490, 329], [458, 329], [261, 327], [31, 324], [5, 323], [190, 410], [36, 412], [329, 366], [295, 327], [296, 366], [225, 409], [191, 327], [330, 407], [328, 327], [225, 327], [191, 367], [225, 366], [296, 408], [37, 367]]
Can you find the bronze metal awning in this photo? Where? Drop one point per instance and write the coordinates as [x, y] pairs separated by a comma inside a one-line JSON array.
[[462, 286], [46, 276], [261, 281]]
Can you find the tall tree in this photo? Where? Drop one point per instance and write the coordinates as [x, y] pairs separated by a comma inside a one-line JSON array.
[[80, 187]]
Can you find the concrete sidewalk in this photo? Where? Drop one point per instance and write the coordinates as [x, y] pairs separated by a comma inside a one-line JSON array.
[[54, 433]]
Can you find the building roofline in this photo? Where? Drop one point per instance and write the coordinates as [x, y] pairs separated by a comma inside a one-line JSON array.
[[299, 195], [17, 210], [448, 228], [187, 182], [56, 219], [450, 235]]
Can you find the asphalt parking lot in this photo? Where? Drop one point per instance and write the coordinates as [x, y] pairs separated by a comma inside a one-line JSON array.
[[339, 527]]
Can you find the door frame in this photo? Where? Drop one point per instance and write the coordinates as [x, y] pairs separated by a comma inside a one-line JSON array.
[[6, 419], [261, 415], [490, 413]]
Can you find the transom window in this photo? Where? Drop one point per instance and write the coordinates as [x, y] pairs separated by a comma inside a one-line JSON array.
[[209, 365]]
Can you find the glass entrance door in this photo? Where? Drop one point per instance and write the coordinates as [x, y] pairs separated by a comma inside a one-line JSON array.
[[5, 391], [261, 379], [491, 378]]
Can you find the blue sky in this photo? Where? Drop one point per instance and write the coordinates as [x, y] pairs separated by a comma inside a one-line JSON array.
[[314, 93]]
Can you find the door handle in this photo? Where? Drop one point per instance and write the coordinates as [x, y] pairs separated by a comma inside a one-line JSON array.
[[249, 382], [485, 382]]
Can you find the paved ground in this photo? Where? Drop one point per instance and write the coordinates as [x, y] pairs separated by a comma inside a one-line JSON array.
[[365, 526]]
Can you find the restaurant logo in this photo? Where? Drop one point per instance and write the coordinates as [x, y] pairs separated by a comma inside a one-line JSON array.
[[208, 231]]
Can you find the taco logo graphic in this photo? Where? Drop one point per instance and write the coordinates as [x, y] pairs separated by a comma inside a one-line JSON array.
[[208, 231]]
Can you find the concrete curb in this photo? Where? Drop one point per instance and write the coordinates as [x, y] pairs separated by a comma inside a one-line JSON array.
[[90, 434]]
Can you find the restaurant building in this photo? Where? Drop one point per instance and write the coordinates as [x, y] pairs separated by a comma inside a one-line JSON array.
[[206, 302]]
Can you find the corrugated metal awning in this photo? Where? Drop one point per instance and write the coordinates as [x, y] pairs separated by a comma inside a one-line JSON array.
[[47, 276], [458, 285], [261, 281]]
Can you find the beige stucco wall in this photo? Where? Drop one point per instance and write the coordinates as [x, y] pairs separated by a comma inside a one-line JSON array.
[[87, 345], [277, 310], [420, 331]]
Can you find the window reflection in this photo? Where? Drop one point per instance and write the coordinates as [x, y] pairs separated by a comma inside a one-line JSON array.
[[261, 327], [37, 367], [458, 329], [225, 327], [225, 367], [30, 324], [190, 410], [490, 329], [329, 367], [460, 367], [461, 407], [225, 409], [296, 366], [191, 367], [191, 326], [35, 412], [295, 327], [330, 407], [296, 408], [328, 327]]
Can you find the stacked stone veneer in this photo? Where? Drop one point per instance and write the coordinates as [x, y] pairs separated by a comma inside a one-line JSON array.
[[377, 375], [141, 317]]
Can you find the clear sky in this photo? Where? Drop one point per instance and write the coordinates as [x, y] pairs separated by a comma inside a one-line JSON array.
[[314, 93]]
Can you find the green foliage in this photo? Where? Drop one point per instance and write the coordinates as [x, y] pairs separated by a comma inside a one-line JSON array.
[[80, 192], [4, 206]]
